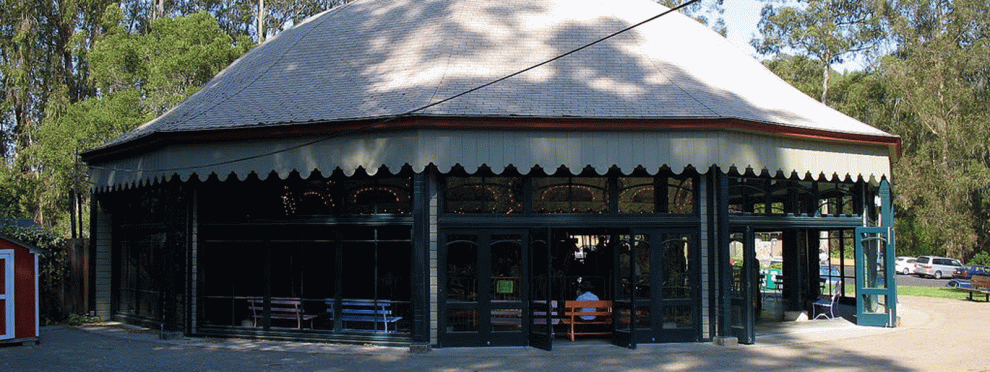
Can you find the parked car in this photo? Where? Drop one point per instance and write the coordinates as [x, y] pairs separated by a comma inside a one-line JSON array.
[[936, 267], [968, 271], [904, 265]]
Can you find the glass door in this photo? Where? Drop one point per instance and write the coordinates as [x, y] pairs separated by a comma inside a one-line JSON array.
[[666, 294], [677, 316], [625, 254], [541, 306], [744, 290], [483, 290], [876, 290]]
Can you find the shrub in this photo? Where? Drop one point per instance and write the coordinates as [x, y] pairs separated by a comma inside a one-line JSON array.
[[53, 267]]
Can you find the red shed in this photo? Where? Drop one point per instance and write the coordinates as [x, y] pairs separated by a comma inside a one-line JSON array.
[[18, 291]]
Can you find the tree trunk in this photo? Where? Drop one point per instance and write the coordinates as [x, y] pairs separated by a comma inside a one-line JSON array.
[[826, 76], [261, 21]]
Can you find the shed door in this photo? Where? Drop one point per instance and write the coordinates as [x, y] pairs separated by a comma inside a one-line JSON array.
[[6, 294]]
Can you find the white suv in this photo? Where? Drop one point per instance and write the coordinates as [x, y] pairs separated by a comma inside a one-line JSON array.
[[936, 267]]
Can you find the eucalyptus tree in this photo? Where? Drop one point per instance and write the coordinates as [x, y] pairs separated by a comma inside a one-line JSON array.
[[827, 31], [940, 80], [709, 12]]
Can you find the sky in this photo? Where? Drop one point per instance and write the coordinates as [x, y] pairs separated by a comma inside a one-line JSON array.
[[741, 19]]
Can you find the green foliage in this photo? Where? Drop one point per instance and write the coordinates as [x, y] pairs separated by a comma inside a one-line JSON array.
[[137, 76], [938, 94], [78, 320], [826, 31], [53, 265], [980, 258], [165, 65], [933, 92], [708, 12]]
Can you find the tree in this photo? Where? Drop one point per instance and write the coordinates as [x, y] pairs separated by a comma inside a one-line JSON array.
[[938, 79], [709, 12], [138, 76], [823, 30]]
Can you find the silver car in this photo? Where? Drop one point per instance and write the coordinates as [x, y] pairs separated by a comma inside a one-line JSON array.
[[936, 267]]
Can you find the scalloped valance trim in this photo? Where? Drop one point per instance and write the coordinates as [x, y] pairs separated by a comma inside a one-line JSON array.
[[522, 150]]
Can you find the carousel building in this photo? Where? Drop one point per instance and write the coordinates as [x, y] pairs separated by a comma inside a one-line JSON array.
[[412, 173]]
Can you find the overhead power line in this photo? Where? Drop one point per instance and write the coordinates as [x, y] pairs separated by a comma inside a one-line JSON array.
[[412, 112]]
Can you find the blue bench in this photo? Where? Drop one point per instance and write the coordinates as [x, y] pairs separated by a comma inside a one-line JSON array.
[[365, 310]]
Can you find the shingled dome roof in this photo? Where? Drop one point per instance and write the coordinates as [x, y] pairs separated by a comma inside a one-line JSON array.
[[376, 59]]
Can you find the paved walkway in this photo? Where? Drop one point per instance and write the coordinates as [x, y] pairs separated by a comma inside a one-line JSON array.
[[936, 334]]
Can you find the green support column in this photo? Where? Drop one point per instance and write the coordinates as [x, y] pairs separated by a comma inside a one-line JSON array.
[[420, 260], [887, 220], [722, 267]]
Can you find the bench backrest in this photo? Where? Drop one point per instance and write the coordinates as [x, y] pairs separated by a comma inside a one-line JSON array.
[[980, 281], [361, 306], [278, 306], [577, 308]]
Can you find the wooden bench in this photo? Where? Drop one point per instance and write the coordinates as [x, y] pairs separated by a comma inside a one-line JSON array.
[[574, 310], [281, 308], [364, 310], [981, 285]]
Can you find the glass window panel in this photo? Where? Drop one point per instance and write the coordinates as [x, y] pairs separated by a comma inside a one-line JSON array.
[[636, 195], [462, 320], [394, 271], [643, 266], [643, 317], [675, 317], [780, 196], [506, 270], [358, 269], [625, 269], [680, 195], [736, 195], [308, 198], [139, 270], [804, 191], [462, 275], [676, 267], [377, 195], [873, 252], [227, 280], [623, 318], [747, 194], [506, 320], [570, 194], [484, 195], [736, 260], [874, 304]]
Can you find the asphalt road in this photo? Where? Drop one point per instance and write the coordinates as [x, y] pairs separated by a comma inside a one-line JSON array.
[[921, 282], [912, 280]]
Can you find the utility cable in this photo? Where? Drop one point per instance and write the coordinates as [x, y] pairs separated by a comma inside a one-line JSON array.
[[421, 108]]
